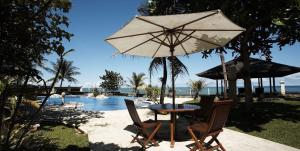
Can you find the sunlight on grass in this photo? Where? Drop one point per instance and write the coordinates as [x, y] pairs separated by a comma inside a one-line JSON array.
[[64, 137]]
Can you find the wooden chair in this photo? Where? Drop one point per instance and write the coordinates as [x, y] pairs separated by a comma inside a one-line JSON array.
[[206, 104], [213, 127], [142, 127]]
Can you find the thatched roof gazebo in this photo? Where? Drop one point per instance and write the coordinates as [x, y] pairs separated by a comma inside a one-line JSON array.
[[258, 69]]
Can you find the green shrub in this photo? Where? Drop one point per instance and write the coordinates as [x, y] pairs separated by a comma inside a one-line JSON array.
[[96, 92], [152, 93]]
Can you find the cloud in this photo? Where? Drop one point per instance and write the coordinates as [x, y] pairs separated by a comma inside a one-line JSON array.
[[295, 76]]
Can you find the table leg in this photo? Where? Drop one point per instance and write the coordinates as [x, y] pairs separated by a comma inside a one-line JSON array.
[[172, 129], [155, 115], [172, 134]]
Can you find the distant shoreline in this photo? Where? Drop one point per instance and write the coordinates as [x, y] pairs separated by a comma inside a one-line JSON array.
[[186, 91]]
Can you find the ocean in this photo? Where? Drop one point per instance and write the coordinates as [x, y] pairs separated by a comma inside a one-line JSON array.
[[186, 91]]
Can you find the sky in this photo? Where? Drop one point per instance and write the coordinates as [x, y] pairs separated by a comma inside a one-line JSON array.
[[92, 21]]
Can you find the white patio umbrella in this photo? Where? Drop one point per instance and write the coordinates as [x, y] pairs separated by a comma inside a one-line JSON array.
[[174, 35]]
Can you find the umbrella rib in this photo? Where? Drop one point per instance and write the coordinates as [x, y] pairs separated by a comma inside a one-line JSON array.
[[162, 41], [213, 30], [186, 37], [145, 20], [134, 35], [159, 47], [159, 42], [142, 43], [186, 53], [177, 37], [203, 40], [216, 12]]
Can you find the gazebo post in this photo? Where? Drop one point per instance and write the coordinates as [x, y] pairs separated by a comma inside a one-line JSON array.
[[222, 91], [262, 88], [217, 86], [274, 88], [270, 82]]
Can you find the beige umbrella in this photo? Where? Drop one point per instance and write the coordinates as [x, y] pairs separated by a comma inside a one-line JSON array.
[[174, 35]]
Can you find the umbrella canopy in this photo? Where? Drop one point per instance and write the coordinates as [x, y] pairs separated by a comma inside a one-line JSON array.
[[187, 33], [174, 35]]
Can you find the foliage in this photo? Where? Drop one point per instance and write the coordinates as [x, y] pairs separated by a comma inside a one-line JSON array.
[[29, 31], [57, 137], [67, 71], [266, 23], [136, 82], [152, 93], [197, 86], [112, 81], [96, 92], [179, 69]]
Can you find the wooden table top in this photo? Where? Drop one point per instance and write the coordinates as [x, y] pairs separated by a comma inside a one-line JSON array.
[[170, 107]]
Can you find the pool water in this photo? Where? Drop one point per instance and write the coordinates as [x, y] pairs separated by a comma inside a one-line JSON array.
[[92, 104]]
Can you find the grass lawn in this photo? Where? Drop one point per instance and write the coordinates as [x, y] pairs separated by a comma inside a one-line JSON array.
[[277, 120], [60, 137]]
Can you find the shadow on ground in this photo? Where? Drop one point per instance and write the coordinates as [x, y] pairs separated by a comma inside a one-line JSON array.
[[262, 113], [112, 147], [163, 133], [69, 116]]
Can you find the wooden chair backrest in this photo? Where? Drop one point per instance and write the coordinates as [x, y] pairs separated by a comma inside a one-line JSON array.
[[206, 104], [219, 115], [207, 100], [133, 113]]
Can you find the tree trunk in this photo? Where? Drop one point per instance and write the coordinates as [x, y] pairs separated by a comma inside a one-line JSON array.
[[196, 95], [3, 99], [163, 81], [232, 72], [61, 82], [246, 74], [224, 74]]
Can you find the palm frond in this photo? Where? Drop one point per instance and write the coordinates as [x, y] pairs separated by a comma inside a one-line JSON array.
[[179, 67], [155, 65]]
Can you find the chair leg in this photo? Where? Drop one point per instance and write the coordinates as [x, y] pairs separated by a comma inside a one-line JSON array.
[[136, 137], [150, 137], [212, 140], [198, 144], [153, 134], [221, 146]]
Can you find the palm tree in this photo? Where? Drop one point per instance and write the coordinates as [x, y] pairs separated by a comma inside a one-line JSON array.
[[197, 86], [67, 72], [136, 81], [156, 63], [224, 71]]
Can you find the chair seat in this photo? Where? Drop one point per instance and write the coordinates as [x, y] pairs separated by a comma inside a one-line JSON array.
[[200, 126], [150, 123]]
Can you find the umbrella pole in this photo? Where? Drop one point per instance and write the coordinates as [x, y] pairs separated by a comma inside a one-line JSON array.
[[173, 78]]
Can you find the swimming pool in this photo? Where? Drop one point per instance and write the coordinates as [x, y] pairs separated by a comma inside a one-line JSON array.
[[94, 104]]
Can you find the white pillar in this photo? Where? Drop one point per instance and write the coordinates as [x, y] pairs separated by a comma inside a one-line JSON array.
[[208, 91], [282, 88]]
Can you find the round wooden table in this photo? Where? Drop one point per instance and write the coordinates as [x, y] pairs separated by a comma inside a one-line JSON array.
[[173, 109]]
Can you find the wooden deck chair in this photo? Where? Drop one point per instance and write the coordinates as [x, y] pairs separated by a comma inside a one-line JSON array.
[[143, 127], [206, 104], [213, 127]]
